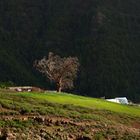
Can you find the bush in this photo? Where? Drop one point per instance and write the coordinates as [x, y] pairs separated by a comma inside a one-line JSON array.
[[6, 84]]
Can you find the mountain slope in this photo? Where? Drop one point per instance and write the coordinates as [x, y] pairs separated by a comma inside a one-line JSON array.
[[104, 35]]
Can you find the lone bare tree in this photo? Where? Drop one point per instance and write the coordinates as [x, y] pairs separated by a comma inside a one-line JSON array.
[[60, 70]]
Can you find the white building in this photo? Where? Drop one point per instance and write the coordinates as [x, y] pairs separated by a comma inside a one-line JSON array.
[[120, 100]]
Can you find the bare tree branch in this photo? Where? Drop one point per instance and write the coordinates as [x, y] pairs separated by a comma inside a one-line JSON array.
[[61, 70]]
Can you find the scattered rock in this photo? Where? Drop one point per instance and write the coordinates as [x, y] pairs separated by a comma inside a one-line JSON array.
[[83, 138], [39, 119], [57, 123], [10, 136]]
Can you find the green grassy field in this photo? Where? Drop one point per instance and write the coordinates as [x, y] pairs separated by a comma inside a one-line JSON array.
[[92, 103], [106, 118]]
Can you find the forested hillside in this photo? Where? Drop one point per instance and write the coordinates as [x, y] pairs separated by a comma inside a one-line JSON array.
[[103, 34]]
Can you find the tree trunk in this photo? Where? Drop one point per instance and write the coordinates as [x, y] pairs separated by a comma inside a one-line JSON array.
[[59, 88]]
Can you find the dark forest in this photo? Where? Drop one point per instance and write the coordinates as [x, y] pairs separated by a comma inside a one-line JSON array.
[[103, 34]]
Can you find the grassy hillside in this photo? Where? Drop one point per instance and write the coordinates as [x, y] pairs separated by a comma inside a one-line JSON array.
[[60, 116], [81, 101]]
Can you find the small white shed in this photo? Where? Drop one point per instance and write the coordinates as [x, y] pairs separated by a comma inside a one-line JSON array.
[[120, 100]]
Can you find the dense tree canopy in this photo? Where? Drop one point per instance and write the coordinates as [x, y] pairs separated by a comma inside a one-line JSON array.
[[103, 34]]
